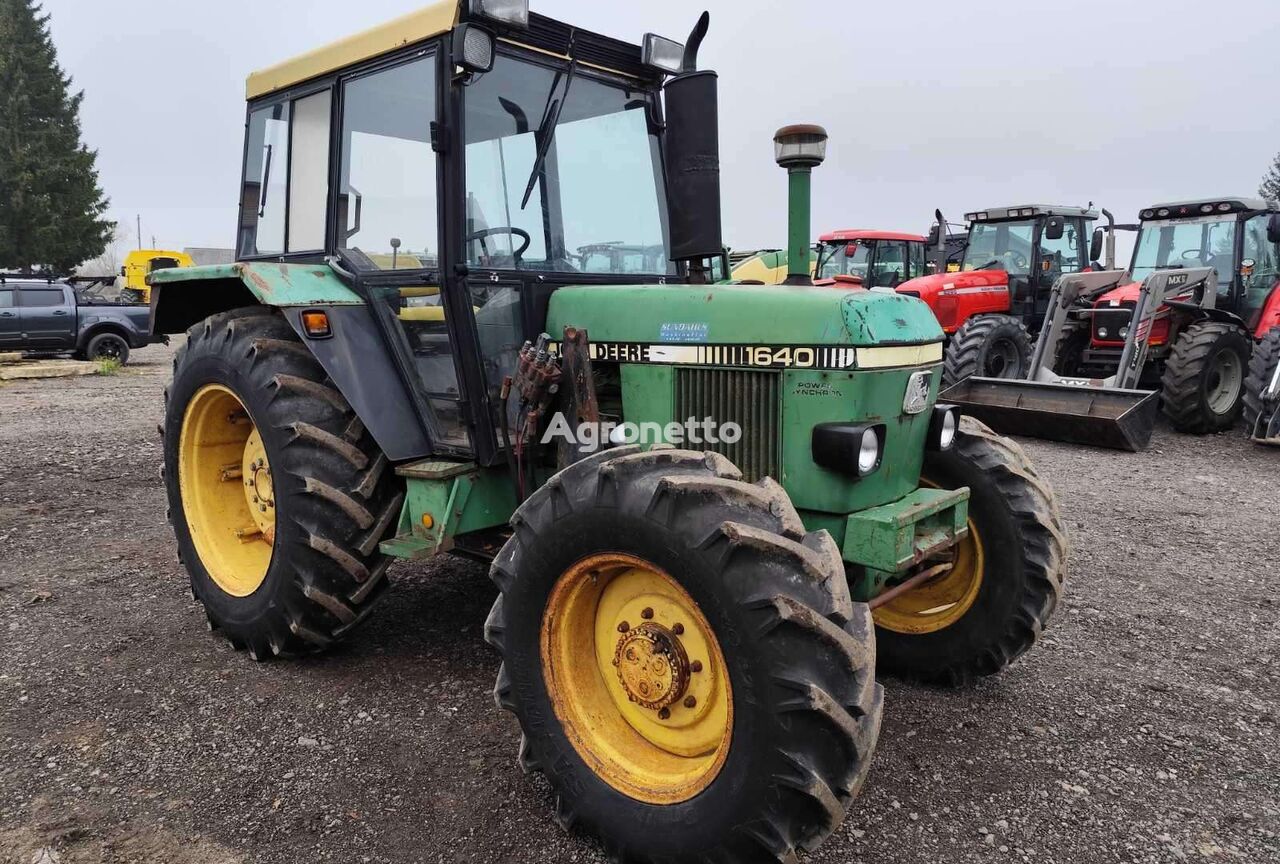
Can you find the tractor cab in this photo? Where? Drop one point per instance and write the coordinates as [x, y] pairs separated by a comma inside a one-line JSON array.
[[458, 181], [1236, 237], [1027, 249], [873, 259]]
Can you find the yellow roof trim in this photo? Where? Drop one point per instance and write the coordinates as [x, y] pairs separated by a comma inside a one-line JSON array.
[[414, 27]]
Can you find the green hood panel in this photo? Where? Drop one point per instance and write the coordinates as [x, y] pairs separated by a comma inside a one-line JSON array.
[[743, 314]]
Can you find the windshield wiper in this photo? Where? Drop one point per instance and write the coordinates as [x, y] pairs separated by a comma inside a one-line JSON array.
[[547, 129]]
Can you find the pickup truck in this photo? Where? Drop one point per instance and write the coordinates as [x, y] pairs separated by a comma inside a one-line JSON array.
[[51, 317]]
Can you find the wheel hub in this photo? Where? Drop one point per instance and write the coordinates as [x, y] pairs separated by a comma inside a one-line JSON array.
[[652, 666]]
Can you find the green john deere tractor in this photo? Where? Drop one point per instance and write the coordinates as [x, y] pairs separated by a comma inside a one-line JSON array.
[[408, 360]]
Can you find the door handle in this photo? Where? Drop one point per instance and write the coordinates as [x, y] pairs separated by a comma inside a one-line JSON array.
[[8, 315], [61, 312]]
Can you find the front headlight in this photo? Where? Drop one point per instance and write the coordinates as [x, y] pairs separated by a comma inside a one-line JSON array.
[[868, 452], [943, 427], [849, 448], [1102, 332]]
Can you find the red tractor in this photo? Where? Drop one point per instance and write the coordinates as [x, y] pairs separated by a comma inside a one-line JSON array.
[[991, 308], [872, 259], [1202, 338]]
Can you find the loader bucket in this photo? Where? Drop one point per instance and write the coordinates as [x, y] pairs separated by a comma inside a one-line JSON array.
[[1096, 416]]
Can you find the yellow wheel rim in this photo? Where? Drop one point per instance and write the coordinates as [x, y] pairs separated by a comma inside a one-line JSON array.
[[941, 602], [637, 679], [228, 495]]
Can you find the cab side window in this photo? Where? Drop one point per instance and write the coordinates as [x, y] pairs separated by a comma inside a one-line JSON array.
[[1266, 262], [1062, 256], [6, 298], [284, 203], [38, 298]]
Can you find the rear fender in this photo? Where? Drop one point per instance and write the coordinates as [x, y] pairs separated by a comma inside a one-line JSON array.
[[1269, 319], [356, 356]]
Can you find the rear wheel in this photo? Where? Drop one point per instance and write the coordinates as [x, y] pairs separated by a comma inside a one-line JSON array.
[[277, 494], [989, 346], [684, 660], [1006, 577], [1203, 383], [1262, 367], [108, 346]]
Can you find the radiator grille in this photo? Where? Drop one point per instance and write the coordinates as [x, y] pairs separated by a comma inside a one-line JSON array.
[[748, 398]]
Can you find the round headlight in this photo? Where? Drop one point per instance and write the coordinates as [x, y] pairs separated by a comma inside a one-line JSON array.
[[1102, 332], [869, 452], [1124, 332], [947, 436]]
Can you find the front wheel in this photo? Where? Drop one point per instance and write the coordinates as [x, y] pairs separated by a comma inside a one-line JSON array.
[[1203, 382], [1005, 579], [989, 346], [684, 660]]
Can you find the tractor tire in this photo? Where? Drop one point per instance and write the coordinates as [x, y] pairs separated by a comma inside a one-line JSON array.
[[1008, 577], [278, 496], [1266, 354], [1068, 360], [108, 346], [1203, 383], [772, 743], [990, 346]]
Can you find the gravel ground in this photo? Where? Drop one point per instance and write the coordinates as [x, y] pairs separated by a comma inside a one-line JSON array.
[[1142, 729]]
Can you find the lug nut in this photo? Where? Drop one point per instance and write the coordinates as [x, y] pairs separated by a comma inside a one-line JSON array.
[[678, 629], [624, 627], [647, 613], [690, 702], [695, 666], [664, 714]]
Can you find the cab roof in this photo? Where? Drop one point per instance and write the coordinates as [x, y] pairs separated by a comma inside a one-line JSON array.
[[1027, 211], [544, 35], [852, 235], [1186, 209]]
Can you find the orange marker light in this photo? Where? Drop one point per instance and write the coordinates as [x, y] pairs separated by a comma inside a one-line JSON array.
[[316, 325], [427, 521]]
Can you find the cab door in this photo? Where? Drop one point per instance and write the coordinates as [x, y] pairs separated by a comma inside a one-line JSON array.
[[45, 316], [10, 331]]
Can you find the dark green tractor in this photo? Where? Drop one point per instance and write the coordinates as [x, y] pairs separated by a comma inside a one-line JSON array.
[[712, 511]]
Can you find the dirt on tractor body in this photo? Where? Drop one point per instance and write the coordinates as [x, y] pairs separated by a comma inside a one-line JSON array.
[[1140, 729]]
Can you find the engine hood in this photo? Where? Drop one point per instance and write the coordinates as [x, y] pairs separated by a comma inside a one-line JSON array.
[[1121, 294], [930, 286], [742, 315]]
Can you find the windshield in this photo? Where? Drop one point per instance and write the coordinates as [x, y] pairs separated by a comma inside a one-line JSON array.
[[1000, 245], [843, 259], [1186, 243], [596, 203]]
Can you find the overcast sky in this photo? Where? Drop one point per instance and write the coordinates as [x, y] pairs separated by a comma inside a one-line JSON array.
[[958, 105]]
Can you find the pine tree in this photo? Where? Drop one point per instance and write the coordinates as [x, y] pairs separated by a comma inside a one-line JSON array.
[[1270, 188], [51, 206]]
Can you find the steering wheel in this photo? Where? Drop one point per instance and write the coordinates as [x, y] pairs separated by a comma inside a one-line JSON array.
[[485, 233], [1019, 261]]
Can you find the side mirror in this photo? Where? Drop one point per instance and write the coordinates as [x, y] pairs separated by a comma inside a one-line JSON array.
[[122, 272], [1095, 245], [1054, 228], [1273, 228]]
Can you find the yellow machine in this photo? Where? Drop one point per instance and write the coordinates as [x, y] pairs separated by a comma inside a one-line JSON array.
[[141, 263]]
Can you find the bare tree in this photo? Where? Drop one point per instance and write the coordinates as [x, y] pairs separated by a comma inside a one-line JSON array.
[[112, 258]]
